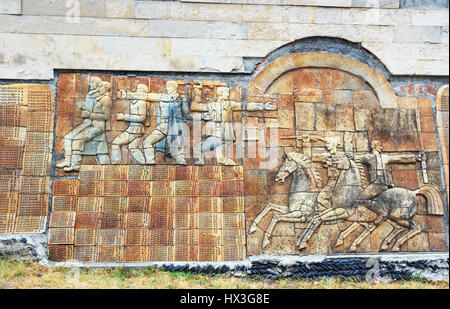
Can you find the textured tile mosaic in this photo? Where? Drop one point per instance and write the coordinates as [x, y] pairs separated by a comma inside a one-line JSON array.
[[120, 214], [26, 141]]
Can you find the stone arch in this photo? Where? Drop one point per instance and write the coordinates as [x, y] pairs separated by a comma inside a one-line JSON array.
[[377, 80]]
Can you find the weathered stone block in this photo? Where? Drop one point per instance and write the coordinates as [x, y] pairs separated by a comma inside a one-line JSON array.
[[11, 7], [305, 115], [418, 34]]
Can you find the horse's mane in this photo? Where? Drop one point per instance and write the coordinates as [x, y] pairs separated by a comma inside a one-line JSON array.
[[362, 173], [306, 162]]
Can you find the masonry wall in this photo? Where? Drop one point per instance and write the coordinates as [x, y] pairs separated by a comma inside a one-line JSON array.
[[211, 36], [358, 70]]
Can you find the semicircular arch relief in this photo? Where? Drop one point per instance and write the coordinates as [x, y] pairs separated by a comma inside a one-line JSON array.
[[343, 116], [378, 82]]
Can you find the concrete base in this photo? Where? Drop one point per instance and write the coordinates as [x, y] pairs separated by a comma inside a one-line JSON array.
[[381, 267], [370, 266], [24, 247]]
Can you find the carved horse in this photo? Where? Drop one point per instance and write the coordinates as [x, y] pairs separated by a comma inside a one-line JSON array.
[[397, 206], [303, 193]]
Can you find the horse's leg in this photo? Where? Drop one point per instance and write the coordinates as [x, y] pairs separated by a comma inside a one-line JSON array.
[[294, 217], [369, 227], [263, 213], [397, 229], [345, 233], [325, 216], [413, 231]]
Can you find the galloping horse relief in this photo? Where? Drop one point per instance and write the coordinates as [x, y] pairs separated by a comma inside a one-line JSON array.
[[348, 195]]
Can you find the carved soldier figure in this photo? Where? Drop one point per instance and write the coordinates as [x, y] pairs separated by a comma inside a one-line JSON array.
[[94, 124], [377, 161], [132, 135], [219, 126], [169, 135], [335, 162]]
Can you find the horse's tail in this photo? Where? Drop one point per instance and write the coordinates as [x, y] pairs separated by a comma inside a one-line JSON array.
[[435, 205]]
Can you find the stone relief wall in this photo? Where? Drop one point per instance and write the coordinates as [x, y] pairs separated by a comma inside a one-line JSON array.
[[134, 193], [26, 141], [316, 155], [358, 168]]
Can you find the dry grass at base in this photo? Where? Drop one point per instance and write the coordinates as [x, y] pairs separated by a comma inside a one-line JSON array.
[[26, 275]]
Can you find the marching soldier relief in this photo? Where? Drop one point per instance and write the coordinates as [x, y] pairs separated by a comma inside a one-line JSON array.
[[219, 122], [96, 114], [132, 135], [169, 135]]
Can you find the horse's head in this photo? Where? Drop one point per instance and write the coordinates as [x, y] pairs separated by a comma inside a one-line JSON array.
[[287, 167]]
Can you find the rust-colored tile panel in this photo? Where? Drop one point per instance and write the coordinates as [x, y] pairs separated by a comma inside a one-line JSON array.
[[60, 253]]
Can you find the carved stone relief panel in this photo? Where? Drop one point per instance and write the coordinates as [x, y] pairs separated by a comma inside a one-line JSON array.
[[136, 191], [442, 113], [316, 155], [26, 140], [357, 169]]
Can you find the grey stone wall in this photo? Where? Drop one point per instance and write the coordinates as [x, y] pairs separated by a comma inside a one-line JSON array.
[[211, 36]]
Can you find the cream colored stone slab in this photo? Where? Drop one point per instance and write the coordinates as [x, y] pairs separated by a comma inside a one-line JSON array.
[[418, 34], [50, 43], [120, 8], [328, 16], [277, 2], [151, 9], [297, 31], [355, 33], [403, 58], [34, 67], [10, 7], [299, 14], [391, 4], [26, 73], [360, 33], [324, 3], [88, 8], [149, 62], [86, 26], [17, 65], [224, 12], [123, 45], [394, 17], [192, 47], [361, 16], [337, 3], [430, 17], [429, 66], [268, 31], [445, 37], [433, 51], [190, 29]]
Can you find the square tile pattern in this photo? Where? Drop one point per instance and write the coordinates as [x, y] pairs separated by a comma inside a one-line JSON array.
[[126, 213], [26, 141]]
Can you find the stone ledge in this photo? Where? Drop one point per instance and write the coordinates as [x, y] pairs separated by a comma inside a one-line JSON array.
[[400, 266], [320, 3]]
